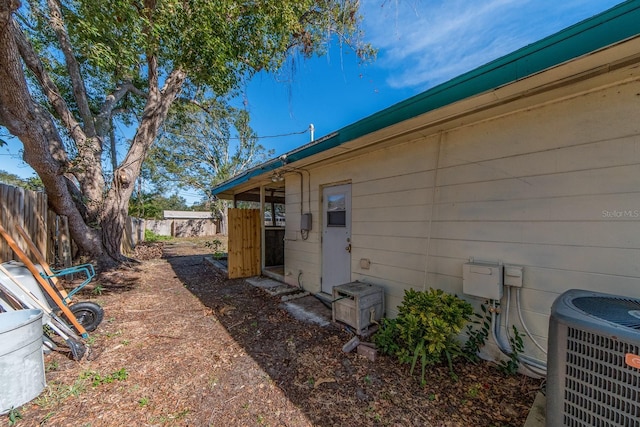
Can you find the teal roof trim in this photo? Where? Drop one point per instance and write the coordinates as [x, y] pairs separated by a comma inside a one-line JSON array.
[[607, 28]]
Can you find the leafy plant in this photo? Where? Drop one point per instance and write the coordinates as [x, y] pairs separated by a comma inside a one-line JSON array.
[[510, 367], [425, 329], [216, 245], [386, 339], [477, 337], [14, 416]]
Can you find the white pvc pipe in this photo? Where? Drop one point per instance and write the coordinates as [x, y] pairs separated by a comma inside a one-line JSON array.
[[506, 314], [524, 326], [534, 366]]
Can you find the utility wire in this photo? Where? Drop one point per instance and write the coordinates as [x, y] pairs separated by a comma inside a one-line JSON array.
[[278, 136]]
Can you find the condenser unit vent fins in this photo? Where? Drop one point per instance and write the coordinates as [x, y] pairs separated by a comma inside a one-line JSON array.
[[599, 388], [621, 311]]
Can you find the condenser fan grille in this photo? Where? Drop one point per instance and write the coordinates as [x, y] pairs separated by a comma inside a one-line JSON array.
[[599, 389], [621, 311], [593, 376]]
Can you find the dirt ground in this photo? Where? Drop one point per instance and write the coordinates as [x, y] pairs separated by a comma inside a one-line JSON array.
[[181, 345]]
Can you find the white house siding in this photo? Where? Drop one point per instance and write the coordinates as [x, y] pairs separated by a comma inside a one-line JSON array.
[[554, 188]]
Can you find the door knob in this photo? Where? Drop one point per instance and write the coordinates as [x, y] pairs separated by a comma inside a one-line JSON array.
[[348, 248]]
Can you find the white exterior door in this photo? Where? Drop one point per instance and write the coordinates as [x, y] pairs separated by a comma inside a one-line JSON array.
[[336, 236]]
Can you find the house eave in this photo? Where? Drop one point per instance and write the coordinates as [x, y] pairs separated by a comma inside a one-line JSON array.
[[587, 48]]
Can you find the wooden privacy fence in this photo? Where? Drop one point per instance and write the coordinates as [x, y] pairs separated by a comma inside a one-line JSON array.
[[49, 232]]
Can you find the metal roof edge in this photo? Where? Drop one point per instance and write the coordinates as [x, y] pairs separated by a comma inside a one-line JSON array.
[[612, 26]]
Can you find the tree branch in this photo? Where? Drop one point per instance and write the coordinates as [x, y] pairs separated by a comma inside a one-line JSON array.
[[103, 121], [79, 90], [49, 88]]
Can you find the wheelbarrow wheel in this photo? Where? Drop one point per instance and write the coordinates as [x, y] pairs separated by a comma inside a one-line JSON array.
[[89, 314]]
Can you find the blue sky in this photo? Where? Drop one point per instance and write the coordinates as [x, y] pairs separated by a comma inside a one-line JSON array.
[[420, 43]]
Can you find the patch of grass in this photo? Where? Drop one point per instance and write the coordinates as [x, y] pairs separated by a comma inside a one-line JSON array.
[[56, 392], [142, 402], [46, 418], [97, 290], [182, 414], [113, 334], [51, 366], [98, 379], [371, 412], [150, 236]]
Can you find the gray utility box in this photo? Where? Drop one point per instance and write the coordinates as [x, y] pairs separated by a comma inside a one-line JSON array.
[[357, 305]]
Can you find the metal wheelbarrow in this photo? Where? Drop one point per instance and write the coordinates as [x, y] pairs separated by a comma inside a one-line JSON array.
[[19, 290], [85, 313], [89, 314]]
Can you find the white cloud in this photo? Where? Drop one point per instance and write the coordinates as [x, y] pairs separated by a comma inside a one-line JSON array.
[[423, 43]]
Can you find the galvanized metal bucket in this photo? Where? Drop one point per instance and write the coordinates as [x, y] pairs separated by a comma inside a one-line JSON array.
[[21, 360]]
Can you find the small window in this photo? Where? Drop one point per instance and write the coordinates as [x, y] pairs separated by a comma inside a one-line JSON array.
[[336, 219], [336, 212]]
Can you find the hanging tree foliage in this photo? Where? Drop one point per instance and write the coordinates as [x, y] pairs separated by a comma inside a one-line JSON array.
[[73, 72], [202, 144]]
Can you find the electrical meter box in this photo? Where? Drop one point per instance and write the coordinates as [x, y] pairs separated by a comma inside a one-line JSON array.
[[305, 222], [358, 305], [482, 279]]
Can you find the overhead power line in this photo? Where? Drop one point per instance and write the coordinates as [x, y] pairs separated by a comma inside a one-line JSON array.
[[277, 136]]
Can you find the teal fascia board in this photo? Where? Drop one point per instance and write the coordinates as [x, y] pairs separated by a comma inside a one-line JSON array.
[[617, 24]]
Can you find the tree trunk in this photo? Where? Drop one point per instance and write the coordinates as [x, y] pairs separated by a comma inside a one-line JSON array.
[[116, 204], [43, 149]]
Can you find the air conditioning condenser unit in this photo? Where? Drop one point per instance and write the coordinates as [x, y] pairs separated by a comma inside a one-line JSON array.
[[593, 366]]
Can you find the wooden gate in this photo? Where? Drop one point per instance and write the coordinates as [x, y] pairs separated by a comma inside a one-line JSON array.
[[244, 243]]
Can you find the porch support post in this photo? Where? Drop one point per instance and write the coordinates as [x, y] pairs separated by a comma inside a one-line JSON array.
[[262, 231]]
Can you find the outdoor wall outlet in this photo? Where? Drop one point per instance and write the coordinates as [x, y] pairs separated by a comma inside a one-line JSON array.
[[365, 263]]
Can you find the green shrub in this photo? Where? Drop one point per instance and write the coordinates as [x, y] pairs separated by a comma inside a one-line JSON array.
[[425, 329]]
